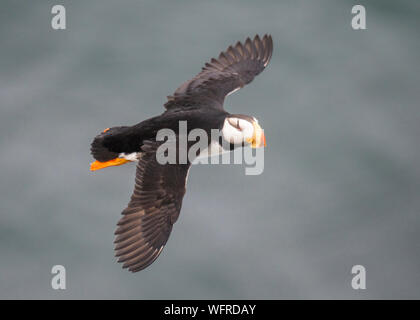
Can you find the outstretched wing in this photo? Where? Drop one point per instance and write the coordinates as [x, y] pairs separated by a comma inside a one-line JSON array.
[[154, 207], [234, 68]]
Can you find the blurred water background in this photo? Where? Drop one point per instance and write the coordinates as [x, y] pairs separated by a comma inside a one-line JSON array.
[[341, 184]]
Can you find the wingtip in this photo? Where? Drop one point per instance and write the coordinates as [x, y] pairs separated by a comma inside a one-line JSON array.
[[267, 42]]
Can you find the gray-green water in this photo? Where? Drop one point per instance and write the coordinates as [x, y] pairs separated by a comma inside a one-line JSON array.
[[341, 185]]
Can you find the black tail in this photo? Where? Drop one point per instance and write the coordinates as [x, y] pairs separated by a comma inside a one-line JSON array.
[[106, 145]]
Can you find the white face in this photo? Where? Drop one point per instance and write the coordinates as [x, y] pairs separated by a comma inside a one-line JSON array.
[[236, 130]]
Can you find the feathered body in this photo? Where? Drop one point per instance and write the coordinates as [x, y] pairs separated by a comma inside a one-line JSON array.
[[156, 202]]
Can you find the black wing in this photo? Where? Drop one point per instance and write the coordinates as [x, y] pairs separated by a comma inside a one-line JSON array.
[[234, 68], [154, 207]]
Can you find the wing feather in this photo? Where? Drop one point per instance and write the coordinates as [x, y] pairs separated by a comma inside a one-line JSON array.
[[146, 224], [233, 69]]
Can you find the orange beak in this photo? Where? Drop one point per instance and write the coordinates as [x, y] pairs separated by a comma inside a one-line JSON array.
[[258, 139], [114, 162]]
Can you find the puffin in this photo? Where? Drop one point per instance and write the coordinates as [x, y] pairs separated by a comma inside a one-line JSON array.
[[155, 204]]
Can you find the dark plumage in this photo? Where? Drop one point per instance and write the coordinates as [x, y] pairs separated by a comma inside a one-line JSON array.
[[156, 202], [153, 209], [234, 68]]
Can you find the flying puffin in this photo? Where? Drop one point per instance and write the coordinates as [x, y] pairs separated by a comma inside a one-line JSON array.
[[155, 204]]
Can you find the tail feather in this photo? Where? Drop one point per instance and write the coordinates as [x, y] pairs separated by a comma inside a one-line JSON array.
[[102, 147]]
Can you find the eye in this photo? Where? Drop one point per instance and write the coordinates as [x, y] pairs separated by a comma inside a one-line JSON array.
[[234, 122]]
